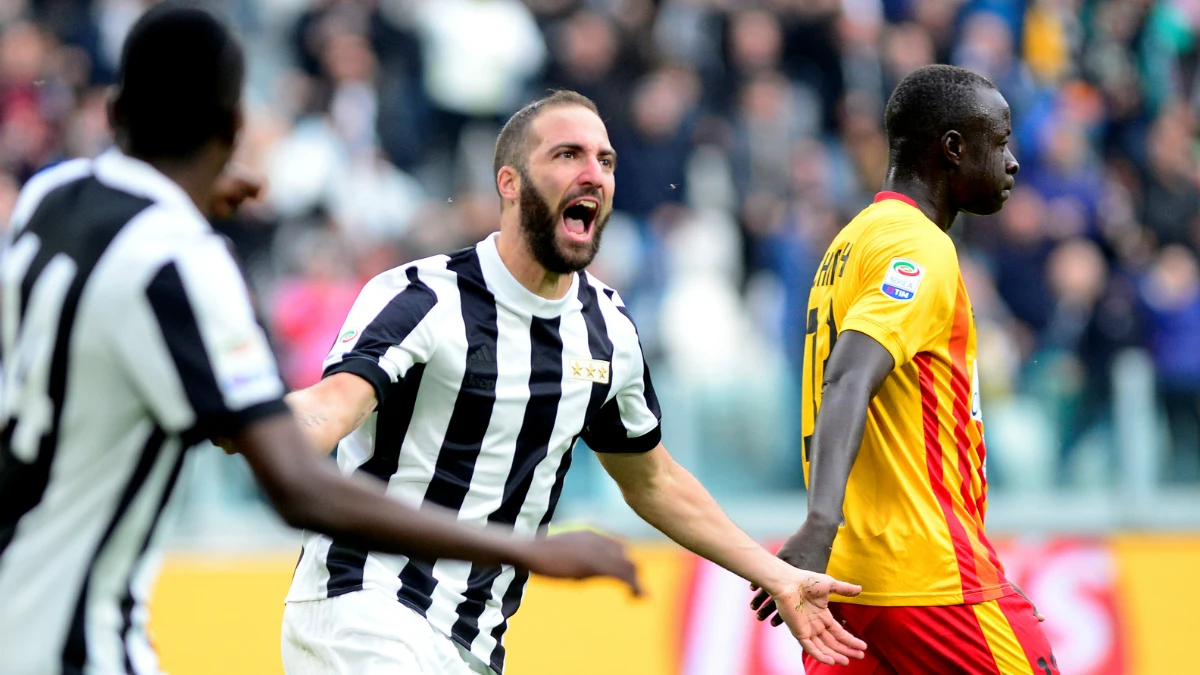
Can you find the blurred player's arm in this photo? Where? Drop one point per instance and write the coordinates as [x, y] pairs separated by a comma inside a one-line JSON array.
[[667, 496], [332, 408], [857, 369], [311, 494]]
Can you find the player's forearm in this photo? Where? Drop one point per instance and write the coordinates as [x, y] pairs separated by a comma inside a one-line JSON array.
[[835, 444], [369, 520], [677, 505], [311, 494], [323, 422]]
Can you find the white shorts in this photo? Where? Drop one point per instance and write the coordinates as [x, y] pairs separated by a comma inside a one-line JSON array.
[[368, 632]]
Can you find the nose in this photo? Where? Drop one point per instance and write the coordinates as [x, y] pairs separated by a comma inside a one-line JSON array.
[[592, 174], [1011, 166]]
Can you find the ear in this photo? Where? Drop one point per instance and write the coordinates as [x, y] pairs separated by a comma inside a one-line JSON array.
[[508, 182], [233, 132], [113, 107], [953, 147], [239, 123]]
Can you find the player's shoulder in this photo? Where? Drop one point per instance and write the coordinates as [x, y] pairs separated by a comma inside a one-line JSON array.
[[602, 292], [426, 275], [608, 301], [43, 183], [892, 227]]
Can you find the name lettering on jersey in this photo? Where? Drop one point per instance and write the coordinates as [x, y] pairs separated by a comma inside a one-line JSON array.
[[902, 279], [589, 370], [833, 266]]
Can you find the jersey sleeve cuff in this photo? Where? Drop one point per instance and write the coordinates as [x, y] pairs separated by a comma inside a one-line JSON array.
[[368, 370], [226, 424], [627, 446], [881, 334]]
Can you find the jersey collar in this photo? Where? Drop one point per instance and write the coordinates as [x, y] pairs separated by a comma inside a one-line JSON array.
[[507, 289], [887, 194], [132, 175]]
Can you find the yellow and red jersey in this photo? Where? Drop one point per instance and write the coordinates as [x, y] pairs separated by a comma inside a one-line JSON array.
[[914, 511]]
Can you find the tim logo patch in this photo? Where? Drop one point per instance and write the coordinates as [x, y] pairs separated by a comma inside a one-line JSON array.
[[902, 279]]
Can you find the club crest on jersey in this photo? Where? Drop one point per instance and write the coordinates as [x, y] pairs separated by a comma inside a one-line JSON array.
[[589, 370], [902, 279]]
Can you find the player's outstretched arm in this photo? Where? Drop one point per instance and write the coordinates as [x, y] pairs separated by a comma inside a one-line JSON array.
[[332, 408], [665, 495], [857, 368], [309, 493]]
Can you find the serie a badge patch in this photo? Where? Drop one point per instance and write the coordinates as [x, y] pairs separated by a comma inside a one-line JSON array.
[[902, 279]]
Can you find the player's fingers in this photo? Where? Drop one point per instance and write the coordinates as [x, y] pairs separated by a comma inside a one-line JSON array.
[[635, 583], [840, 640], [753, 587], [766, 610], [838, 632], [818, 651], [843, 588], [815, 652], [758, 600], [629, 575], [832, 644], [777, 620]]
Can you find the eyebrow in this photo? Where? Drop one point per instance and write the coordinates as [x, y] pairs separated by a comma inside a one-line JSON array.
[[604, 152]]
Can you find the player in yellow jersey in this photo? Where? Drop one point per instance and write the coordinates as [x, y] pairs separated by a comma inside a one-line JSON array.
[[893, 433]]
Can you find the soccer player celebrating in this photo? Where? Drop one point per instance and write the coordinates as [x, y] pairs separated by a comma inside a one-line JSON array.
[[893, 433], [127, 334], [464, 381]]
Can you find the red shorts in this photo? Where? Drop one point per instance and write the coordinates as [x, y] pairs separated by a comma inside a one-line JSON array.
[[1000, 637]]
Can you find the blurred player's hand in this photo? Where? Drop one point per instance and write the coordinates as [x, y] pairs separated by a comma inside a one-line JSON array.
[[802, 602], [581, 555], [235, 185]]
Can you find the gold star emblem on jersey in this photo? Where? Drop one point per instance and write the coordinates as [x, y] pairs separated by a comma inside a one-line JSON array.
[[588, 370]]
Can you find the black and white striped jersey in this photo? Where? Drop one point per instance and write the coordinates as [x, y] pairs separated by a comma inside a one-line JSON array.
[[126, 333], [483, 390]]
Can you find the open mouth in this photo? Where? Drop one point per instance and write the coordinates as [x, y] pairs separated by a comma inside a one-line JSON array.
[[579, 217]]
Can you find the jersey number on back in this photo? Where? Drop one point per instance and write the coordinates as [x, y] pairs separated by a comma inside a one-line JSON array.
[[28, 345]]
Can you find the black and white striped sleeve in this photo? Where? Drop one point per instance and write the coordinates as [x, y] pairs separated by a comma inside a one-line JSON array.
[[629, 421], [190, 339], [386, 331]]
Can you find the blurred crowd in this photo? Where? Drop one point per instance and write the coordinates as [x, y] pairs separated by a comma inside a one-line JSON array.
[[749, 131]]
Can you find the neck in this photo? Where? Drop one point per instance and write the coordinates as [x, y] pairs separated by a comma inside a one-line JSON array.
[[518, 258], [932, 198], [196, 175]]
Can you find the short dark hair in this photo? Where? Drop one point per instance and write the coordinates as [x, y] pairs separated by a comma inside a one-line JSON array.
[[512, 145], [926, 104], [179, 82]]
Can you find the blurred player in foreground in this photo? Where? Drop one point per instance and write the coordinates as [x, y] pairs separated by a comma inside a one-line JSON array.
[[893, 433], [127, 334], [464, 380]]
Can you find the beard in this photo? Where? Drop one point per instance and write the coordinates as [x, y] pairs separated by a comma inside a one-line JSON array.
[[539, 223]]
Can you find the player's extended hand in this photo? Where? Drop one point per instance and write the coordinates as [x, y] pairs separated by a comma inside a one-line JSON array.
[[235, 185], [803, 604], [581, 555]]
